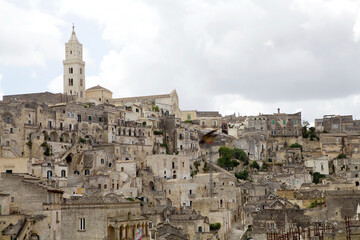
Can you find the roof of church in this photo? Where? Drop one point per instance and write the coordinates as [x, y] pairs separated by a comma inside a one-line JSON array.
[[73, 37], [98, 87]]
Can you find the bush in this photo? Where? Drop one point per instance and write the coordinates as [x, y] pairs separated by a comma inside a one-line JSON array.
[[155, 108], [158, 132], [197, 164], [264, 167], [341, 155], [239, 154], [215, 226], [81, 140], [242, 175], [188, 121], [317, 177], [296, 145], [130, 199], [29, 144], [254, 164]]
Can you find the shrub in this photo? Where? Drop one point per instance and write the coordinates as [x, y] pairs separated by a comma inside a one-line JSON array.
[[81, 140], [341, 155], [215, 226], [242, 175], [296, 145], [317, 177], [254, 164]]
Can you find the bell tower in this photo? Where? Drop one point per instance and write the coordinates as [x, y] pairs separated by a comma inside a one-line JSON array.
[[74, 68]]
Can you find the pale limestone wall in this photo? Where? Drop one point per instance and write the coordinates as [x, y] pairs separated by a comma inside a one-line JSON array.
[[180, 192], [189, 115], [127, 166], [169, 166], [96, 219], [98, 95], [5, 204], [16, 165]]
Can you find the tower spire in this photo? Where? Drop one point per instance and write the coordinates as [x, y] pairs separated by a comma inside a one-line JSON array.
[[73, 27]]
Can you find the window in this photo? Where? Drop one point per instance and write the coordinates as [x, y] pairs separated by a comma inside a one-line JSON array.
[[273, 121], [81, 82], [199, 229], [189, 117], [105, 186], [76, 172], [79, 118], [11, 130], [71, 70], [272, 226], [89, 118], [137, 110], [87, 172], [81, 94], [49, 174], [8, 171], [63, 173], [12, 199], [100, 119], [295, 122], [284, 122], [8, 120], [122, 169], [81, 72], [57, 217], [102, 161], [150, 224], [82, 224]]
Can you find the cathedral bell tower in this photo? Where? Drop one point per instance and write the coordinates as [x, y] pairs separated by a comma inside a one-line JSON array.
[[74, 68]]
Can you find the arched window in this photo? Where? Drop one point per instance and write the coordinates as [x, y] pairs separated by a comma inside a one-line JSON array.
[[102, 161], [63, 173], [49, 174], [87, 172], [76, 172], [221, 203], [199, 229], [129, 132]]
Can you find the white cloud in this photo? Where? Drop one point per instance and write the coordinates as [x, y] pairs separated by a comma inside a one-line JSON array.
[[56, 85], [28, 36]]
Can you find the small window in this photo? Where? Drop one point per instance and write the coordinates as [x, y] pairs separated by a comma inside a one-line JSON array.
[[295, 122], [82, 224], [11, 130], [81, 72], [87, 172], [63, 173], [189, 117], [102, 161], [89, 118], [284, 122], [137, 110], [8, 120], [122, 169], [100, 119], [273, 121]]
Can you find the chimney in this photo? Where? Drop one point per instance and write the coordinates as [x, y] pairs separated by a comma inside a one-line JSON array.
[[279, 110]]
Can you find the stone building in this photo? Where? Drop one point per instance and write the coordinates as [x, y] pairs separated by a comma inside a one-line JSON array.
[[103, 217], [337, 124], [29, 202]]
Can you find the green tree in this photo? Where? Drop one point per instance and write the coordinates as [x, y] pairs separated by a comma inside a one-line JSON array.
[[254, 164], [341, 155], [225, 152], [242, 174], [296, 145], [239, 154], [317, 177]]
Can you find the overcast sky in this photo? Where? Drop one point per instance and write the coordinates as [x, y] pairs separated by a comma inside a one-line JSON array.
[[243, 56]]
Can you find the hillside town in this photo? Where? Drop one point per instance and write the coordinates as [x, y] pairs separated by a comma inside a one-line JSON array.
[[84, 165]]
